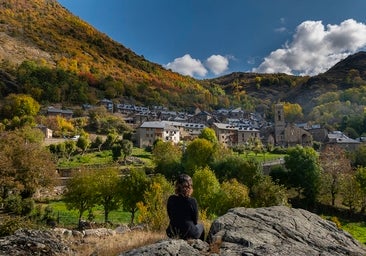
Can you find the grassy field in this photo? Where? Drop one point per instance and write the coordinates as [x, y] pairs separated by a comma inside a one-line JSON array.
[[103, 158], [69, 218], [356, 229]]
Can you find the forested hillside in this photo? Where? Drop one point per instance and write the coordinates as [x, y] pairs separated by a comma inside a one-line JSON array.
[[68, 52], [56, 57]]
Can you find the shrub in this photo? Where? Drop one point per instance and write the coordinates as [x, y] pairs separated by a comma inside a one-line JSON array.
[[13, 203], [11, 224]]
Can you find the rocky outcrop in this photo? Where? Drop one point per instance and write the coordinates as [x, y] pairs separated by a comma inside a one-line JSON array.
[[33, 242], [264, 231], [280, 231]]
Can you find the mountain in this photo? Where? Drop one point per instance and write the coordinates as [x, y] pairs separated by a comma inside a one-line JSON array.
[[347, 74], [48, 52], [45, 32]]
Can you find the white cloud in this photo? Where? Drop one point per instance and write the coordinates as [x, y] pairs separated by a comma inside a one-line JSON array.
[[186, 65], [315, 48], [217, 64]]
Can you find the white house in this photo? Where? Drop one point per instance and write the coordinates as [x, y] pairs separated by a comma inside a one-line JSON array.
[[149, 132]]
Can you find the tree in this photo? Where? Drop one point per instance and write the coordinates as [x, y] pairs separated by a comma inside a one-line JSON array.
[[361, 180], [304, 172], [267, 193], [351, 192], [19, 105], [155, 199], [127, 147], [247, 172], [116, 151], [25, 165], [198, 154], [232, 194], [292, 112], [70, 148], [205, 188], [359, 156], [208, 134], [133, 187], [83, 143], [81, 192], [335, 164], [167, 158], [107, 190]]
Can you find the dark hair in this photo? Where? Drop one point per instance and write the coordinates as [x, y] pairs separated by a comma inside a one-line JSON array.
[[183, 185]]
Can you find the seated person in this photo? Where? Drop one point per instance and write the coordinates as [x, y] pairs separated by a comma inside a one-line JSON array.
[[183, 212]]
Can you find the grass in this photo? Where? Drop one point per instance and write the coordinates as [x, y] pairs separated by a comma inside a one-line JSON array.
[[263, 157], [356, 229], [103, 158], [69, 218]]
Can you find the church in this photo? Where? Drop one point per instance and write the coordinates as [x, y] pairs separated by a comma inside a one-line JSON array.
[[286, 134]]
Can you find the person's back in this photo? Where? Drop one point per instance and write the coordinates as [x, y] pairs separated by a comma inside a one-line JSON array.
[[183, 212]]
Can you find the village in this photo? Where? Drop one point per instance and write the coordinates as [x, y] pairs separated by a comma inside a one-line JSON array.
[[233, 127]]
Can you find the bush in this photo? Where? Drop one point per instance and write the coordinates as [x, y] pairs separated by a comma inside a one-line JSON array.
[[13, 203], [11, 224]]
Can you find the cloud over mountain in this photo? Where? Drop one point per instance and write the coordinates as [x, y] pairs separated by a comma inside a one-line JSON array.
[[315, 48], [187, 65]]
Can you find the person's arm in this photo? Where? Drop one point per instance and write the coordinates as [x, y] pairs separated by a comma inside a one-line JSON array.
[[169, 207], [194, 211]]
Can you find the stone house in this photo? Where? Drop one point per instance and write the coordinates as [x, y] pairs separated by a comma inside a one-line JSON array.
[[149, 132], [232, 135], [51, 111]]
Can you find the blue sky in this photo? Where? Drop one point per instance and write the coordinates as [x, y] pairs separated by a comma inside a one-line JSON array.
[[211, 38]]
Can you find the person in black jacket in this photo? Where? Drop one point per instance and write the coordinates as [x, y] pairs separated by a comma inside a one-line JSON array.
[[183, 212]]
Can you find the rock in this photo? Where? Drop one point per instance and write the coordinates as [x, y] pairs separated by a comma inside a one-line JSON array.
[[276, 230], [121, 229], [33, 242], [99, 232], [168, 247], [280, 230]]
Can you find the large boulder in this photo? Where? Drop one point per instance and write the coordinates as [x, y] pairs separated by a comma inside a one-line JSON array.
[[263, 231], [280, 230]]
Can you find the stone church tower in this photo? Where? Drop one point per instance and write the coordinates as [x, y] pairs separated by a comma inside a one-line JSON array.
[[280, 124]]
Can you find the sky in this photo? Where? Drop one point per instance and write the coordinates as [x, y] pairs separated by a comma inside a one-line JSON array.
[[211, 38]]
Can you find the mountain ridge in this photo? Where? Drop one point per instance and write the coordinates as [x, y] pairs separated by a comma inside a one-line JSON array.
[[45, 32]]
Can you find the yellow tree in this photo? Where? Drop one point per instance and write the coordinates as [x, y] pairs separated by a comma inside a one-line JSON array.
[[335, 164], [293, 112]]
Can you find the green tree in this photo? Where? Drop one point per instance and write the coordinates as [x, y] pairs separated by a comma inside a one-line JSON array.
[[351, 192], [232, 194], [247, 172], [304, 172], [107, 190], [97, 143], [208, 134], [116, 151], [25, 165], [133, 187], [359, 156], [167, 159], [81, 192], [361, 180], [206, 186], [83, 143], [198, 154], [70, 148], [267, 193], [127, 147], [19, 105]]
